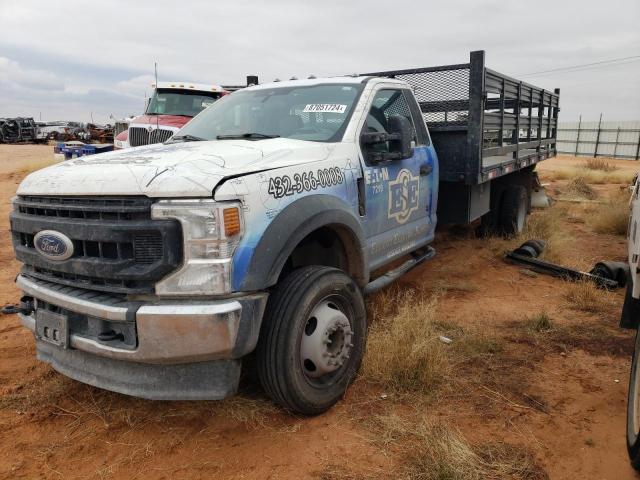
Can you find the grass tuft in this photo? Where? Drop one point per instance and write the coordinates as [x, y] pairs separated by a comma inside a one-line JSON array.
[[613, 216], [437, 451], [403, 349], [594, 177], [579, 187], [539, 323], [599, 164], [586, 297], [547, 225]]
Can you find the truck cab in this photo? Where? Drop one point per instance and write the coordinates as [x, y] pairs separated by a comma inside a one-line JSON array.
[[171, 106], [256, 228]]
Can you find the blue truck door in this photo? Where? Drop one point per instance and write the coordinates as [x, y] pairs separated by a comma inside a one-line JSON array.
[[399, 206]]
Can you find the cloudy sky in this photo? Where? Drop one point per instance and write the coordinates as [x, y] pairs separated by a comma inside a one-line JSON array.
[[75, 59]]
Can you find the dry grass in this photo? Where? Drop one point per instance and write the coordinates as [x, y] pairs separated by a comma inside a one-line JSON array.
[[405, 353], [403, 350], [436, 451], [586, 297], [539, 323], [599, 164], [579, 187], [594, 177], [611, 217], [545, 224]]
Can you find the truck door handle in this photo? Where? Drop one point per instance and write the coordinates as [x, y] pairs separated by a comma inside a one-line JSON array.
[[425, 169]]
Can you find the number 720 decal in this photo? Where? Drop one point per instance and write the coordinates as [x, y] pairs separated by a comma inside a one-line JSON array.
[[286, 185]]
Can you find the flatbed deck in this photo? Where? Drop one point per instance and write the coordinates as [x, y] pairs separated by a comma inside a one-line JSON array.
[[484, 124]]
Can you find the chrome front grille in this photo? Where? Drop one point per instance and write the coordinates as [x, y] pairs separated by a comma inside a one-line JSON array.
[[160, 135], [141, 136]]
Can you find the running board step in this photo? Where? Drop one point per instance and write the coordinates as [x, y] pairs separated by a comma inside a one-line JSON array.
[[392, 275]]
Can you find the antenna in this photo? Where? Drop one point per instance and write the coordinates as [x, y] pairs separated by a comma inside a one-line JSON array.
[[155, 67]]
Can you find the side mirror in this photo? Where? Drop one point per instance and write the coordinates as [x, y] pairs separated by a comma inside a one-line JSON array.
[[398, 141]]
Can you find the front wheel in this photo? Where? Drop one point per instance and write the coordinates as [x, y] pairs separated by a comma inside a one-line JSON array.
[[312, 339], [633, 409]]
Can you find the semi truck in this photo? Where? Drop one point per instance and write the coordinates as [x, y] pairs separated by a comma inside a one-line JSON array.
[[170, 107], [254, 233]]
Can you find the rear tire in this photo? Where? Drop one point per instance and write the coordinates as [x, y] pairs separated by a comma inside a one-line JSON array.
[[513, 210], [312, 339], [633, 409]]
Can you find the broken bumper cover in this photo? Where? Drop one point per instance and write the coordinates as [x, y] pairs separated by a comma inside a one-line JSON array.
[[181, 350]]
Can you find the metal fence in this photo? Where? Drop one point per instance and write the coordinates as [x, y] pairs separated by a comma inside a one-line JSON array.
[[600, 139]]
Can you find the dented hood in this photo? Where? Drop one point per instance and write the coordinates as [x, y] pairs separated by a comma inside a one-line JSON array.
[[190, 169]]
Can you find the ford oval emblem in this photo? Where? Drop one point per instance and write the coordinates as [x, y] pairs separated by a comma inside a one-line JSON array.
[[53, 245]]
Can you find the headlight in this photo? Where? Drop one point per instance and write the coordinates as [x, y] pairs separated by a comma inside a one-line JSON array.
[[211, 232]]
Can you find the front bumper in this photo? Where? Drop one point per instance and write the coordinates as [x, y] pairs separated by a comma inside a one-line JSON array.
[[166, 350]]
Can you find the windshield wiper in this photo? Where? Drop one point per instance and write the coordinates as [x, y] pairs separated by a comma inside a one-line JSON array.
[[187, 138], [254, 136]]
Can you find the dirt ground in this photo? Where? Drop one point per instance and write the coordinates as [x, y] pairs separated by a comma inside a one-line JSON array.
[[562, 396]]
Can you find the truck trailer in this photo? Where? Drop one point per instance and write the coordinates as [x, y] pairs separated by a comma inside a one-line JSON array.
[[252, 235]]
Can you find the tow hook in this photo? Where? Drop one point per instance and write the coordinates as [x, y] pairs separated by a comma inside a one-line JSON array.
[[110, 335], [25, 307]]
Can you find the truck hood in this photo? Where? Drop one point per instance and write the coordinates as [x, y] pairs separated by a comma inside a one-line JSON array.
[[176, 121], [190, 169]]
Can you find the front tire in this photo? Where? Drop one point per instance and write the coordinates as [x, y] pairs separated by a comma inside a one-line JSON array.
[[633, 409], [312, 339]]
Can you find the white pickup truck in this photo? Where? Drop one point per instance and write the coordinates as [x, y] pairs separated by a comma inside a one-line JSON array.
[[631, 319], [154, 271]]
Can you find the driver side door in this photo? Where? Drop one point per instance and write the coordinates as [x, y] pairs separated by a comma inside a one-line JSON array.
[[397, 193]]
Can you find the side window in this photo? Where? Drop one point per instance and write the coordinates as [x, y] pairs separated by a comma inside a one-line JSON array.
[[386, 103], [421, 127]]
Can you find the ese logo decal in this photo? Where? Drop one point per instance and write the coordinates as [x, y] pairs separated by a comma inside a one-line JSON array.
[[403, 196]]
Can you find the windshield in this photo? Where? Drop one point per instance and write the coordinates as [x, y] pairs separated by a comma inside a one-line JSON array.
[[180, 102], [318, 113]]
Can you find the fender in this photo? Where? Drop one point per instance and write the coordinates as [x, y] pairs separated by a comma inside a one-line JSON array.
[[291, 226]]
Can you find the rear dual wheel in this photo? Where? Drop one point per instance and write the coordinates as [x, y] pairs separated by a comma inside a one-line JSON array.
[[513, 210], [507, 216], [312, 339]]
